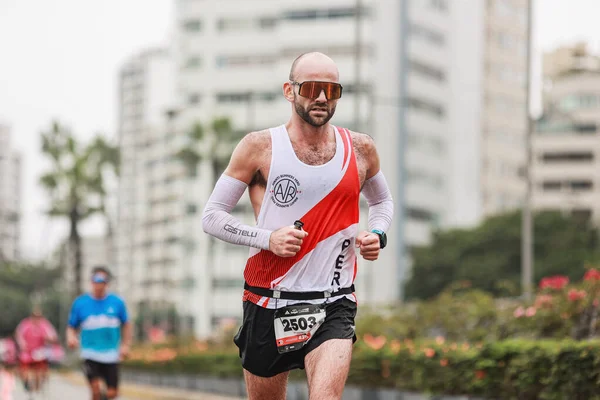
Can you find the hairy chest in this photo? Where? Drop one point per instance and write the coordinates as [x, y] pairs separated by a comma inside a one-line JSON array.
[[312, 156]]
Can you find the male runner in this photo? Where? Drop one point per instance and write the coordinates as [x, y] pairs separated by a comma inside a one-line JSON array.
[[105, 334], [299, 305]]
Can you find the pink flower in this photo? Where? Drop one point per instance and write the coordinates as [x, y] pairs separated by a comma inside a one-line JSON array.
[[530, 312], [429, 352], [556, 282], [374, 342], [575, 294], [543, 301], [592, 275], [519, 312]]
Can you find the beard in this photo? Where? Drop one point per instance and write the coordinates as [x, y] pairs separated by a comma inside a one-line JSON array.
[[304, 113]]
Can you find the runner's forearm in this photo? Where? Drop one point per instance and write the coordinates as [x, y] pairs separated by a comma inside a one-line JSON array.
[[381, 204], [126, 334], [218, 221]]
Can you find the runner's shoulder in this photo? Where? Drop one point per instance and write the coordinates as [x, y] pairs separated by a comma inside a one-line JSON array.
[[257, 140], [362, 142]]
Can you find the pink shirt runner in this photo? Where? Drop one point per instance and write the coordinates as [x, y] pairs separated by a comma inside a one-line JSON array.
[[32, 335]]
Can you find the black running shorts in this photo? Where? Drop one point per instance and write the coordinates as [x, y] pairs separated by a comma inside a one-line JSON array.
[[108, 372], [256, 337]]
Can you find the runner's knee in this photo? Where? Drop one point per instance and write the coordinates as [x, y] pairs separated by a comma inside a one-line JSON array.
[[112, 393], [96, 387]]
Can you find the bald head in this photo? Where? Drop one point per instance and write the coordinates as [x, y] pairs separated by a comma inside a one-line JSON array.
[[309, 65]]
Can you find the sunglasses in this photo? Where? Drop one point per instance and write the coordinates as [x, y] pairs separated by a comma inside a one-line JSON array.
[[313, 89], [98, 278]]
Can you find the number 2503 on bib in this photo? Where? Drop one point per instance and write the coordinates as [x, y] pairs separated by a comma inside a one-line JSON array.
[[296, 325]]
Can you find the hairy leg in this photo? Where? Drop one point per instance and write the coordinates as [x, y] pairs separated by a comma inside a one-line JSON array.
[[260, 388], [327, 369]]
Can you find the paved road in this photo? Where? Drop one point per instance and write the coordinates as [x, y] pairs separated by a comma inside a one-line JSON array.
[[72, 387], [58, 389]]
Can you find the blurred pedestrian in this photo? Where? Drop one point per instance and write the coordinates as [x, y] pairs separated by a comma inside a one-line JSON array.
[[33, 335], [8, 365], [100, 320]]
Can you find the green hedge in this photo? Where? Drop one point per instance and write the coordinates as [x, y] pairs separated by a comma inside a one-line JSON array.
[[515, 369]]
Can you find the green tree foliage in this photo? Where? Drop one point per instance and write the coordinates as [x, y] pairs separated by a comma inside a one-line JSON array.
[[488, 257], [20, 285], [214, 145]]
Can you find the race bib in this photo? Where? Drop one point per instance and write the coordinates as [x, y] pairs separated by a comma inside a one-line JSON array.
[[295, 325]]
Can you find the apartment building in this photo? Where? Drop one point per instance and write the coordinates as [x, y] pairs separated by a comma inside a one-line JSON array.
[[10, 197], [148, 209], [566, 142]]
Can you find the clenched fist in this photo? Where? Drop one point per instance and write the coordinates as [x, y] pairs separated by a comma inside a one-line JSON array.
[[286, 241], [368, 242]]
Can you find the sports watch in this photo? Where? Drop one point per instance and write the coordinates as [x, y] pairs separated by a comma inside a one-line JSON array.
[[382, 237]]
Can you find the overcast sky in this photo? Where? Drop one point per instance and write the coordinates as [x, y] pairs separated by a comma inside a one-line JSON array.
[[59, 59]]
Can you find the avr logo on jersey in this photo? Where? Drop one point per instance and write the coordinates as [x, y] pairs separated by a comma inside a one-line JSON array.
[[285, 190]]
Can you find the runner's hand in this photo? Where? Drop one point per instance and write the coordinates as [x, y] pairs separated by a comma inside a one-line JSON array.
[[124, 351], [368, 242], [72, 342], [286, 241]]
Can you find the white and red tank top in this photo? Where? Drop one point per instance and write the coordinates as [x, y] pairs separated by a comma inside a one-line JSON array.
[[324, 197]]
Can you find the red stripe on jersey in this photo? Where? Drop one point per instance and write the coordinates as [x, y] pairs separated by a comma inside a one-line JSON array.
[[337, 211], [345, 138]]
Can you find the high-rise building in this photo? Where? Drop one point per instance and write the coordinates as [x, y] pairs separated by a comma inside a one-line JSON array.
[[147, 209], [489, 113], [566, 142], [10, 197]]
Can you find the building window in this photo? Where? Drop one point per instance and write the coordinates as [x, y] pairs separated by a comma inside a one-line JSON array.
[[192, 25], [439, 5], [193, 62], [227, 283], [267, 22], [331, 13], [421, 214], [585, 156], [194, 98], [581, 185], [246, 97], [426, 106], [245, 60], [300, 15], [427, 71], [427, 34], [579, 101], [334, 51]]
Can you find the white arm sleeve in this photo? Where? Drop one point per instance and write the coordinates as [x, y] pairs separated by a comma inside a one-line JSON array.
[[217, 220], [379, 199]]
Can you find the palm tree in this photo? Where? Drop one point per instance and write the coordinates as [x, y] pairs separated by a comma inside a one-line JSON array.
[[75, 182], [214, 146]]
